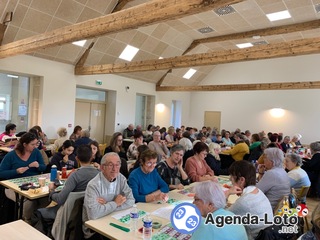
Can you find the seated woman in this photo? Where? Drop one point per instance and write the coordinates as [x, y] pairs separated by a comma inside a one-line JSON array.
[[275, 182], [312, 167], [8, 137], [227, 140], [295, 141], [298, 177], [116, 146], [76, 134], [132, 152], [25, 160], [210, 199], [197, 167], [171, 169], [252, 200], [145, 182], [62, 133], [170, 136], [238, 151], [214, 161], [96, 155], [65, 157], [84, 139], [43, 137], [255, 141]]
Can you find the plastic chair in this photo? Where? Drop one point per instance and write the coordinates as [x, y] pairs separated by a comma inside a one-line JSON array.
[[102, 147]]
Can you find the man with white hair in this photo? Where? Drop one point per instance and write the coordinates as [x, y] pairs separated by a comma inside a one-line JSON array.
[[107, 192]]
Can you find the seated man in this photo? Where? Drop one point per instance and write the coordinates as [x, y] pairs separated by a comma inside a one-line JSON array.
[[107, 192], [77, 182], [128, 132]]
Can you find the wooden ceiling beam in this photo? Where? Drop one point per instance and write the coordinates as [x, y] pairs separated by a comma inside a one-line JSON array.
[[3, 28], [293, 48], [84, 56], [152, 12], [304, 26], [120, 5], [243, 87]]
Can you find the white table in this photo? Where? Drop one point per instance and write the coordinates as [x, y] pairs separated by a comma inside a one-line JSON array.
[[20, 230]]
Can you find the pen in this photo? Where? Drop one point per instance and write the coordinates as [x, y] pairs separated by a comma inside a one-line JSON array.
[[120, 227]]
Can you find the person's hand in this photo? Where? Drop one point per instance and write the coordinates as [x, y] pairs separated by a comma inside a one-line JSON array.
[[235, 190], [21, 170], [179, 186], [52, 187], [34, 164], [65, 159], [120, 199], [96, 165], [163, 197], [101, 200], [180, 164], [261, 168]]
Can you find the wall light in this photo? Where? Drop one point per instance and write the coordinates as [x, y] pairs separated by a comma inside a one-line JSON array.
[[160, 107], [277, 112]]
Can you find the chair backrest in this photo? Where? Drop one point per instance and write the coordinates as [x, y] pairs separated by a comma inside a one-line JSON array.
[[102, 147], [63, 214], [303, 192]]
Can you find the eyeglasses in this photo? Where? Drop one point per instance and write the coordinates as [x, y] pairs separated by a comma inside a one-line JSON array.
[[111, 165], [149, 164]]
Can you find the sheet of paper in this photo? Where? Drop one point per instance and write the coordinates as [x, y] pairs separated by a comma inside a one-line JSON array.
[[164, 212]]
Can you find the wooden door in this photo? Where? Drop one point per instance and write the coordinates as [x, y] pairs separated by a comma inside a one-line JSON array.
[[212, 119], [90, 115]]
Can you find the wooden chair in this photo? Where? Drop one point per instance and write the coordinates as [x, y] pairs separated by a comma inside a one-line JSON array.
[[102, 147], [302, 199]]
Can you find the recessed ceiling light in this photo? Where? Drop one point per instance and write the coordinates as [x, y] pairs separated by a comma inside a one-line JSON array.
[[278, 15], [12, 76], [128, 53], [224, 10], [80, 43], [244, 45], [190, 73]]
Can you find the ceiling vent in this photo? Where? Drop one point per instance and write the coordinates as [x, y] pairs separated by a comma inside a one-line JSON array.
[[259, 43], [225, 10], [205, 30], [317, 8]]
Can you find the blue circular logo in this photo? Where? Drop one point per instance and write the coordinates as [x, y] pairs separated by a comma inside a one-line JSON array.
[[185, 218]]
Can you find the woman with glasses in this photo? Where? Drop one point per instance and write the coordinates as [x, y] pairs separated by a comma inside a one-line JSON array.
[[116, 146], [210, 200], [196, 166], [145, 182]]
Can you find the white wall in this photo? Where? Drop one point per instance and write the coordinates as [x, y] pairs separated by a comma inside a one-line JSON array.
[[250, 109], [59, 91]]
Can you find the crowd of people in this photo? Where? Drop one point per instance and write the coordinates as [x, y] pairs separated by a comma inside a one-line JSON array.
[[164, 160]]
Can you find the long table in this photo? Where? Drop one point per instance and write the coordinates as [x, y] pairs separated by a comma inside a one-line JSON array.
[[20, 230], [14, 184], [103, 227]]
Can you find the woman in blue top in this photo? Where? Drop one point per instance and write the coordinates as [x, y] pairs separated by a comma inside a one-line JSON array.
[[145, 182], [25, 160]]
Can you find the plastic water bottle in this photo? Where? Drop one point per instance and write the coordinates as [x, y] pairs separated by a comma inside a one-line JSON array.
[[134, 215], [53, 174], [147, 228]]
